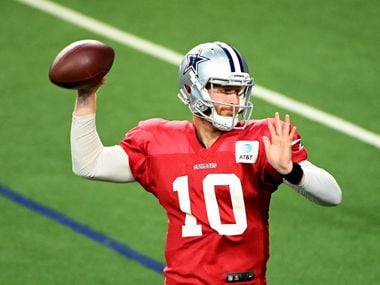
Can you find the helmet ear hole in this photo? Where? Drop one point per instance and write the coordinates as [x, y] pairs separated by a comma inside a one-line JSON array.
[[188, 89]]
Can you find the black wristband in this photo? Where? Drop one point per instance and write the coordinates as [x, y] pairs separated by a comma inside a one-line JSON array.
[[295, 175]]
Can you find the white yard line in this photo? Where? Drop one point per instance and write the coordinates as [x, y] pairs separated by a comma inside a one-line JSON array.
[[319, 116], [173, 57]]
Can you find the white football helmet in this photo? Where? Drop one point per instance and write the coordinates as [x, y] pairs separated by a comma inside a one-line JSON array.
[[220, 64]]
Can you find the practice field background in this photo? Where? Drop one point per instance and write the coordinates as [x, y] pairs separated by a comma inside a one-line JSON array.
[[323, 53]]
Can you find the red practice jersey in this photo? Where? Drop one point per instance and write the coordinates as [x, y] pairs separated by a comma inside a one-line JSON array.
[[216, 199]]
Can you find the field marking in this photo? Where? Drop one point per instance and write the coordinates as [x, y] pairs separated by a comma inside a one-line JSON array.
[[82, 229], [172, 57]]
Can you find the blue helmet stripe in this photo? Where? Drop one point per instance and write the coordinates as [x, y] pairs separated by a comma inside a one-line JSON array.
[[240, 61], [232, 65]]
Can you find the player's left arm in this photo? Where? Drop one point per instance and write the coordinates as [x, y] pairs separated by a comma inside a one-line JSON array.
[[317, 185], [313, 182]]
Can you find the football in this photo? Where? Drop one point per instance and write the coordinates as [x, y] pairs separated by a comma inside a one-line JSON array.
[[81, 64]]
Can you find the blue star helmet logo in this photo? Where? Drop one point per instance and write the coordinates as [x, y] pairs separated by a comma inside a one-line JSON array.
[[194, 60]]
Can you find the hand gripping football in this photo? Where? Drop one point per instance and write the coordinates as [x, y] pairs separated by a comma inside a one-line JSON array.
[[82, 64]]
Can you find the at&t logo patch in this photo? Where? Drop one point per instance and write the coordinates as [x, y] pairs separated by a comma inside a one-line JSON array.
[[246, 151]]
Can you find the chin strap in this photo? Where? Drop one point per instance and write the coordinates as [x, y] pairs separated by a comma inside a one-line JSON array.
[[223, 123]]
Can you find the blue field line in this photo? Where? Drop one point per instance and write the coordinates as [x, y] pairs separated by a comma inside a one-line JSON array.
[[83, 230]]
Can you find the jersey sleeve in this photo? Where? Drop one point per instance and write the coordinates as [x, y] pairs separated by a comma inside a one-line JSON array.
[[299, 152], [134, 144]]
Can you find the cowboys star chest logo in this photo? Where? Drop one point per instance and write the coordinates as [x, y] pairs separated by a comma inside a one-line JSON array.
[[246, 151]]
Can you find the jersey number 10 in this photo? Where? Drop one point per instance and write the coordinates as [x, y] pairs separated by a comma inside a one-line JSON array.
[[190, 227]]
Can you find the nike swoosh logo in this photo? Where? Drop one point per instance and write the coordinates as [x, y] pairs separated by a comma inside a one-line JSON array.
[[296, 142]]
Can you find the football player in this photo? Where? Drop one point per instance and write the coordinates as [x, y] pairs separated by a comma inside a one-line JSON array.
[[214, 175]]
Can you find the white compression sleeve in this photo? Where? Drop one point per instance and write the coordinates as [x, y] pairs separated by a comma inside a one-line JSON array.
[[92, 160], [318, 185]]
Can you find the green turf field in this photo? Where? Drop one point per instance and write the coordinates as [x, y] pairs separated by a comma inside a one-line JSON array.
[[323, 53]]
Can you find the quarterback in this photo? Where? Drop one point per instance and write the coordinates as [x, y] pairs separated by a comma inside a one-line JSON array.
[[213, 175]]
